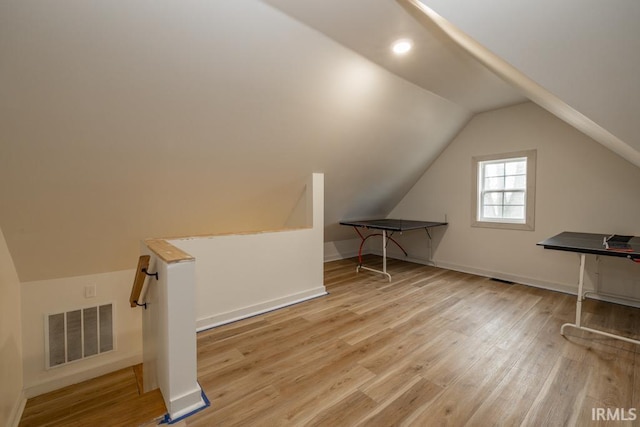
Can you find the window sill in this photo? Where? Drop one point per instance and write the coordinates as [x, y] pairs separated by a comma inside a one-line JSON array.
[[503, 225]]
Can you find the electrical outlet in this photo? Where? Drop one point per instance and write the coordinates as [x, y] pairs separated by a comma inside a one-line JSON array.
[[90, 291]]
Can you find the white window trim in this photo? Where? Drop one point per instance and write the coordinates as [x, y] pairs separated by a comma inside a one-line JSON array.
[[529, 223]]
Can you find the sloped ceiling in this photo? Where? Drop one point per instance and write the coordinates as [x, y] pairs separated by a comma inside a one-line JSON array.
[[121, 120], [585, 52], [125, 120], [578, 59], [436, 63]]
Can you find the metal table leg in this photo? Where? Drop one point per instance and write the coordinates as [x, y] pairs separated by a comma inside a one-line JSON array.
[[578, 324], [384, 258]]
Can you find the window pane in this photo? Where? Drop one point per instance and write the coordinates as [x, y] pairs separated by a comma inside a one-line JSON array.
[[514, 212], [503, 183], [516, 168], [494, 198], [493, 169], [494, 183], [516, 182], [514, 198], [492, 212]]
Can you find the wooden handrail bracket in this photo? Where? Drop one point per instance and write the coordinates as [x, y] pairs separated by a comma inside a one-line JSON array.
[[138, 282]]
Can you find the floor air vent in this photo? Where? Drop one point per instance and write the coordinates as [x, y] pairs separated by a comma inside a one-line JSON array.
[[507, 282], [78, 334]]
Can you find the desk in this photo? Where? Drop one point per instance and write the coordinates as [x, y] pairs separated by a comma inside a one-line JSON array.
[[589, 243], [387, 228]]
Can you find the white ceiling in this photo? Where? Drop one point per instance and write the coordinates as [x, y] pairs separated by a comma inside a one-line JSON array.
[[126, 120], [579, 59], [583, 53], [586, 52], [436, 63]]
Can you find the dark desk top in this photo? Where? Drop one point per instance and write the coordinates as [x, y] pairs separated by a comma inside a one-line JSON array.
[[393, 224], [589, 243]]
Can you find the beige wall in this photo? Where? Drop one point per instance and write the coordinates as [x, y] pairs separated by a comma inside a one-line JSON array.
[[125, 121], [580, 186], [11, 395]]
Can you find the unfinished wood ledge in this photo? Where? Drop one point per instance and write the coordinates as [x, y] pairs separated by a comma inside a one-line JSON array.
[[167, 252], [238, 233], [171, 254]]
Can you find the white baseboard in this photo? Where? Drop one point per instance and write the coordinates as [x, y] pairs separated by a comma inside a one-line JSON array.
[[498, 275], [186, 404], [18, 409], [253, 310], [551, 286], [529, 281], [341, 249], [399, 256], [45, 387]]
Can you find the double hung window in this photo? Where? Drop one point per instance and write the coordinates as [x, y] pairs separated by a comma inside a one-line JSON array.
[[504, 187]]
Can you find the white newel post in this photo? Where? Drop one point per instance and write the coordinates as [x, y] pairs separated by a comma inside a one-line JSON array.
[[169, 336], [287, 268]]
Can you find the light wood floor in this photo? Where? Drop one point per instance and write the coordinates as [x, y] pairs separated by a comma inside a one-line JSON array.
[[110, 400], [434, 347]]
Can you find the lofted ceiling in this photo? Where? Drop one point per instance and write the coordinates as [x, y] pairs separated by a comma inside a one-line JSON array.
[[578, 59], [483, 55], [584, 52], [436, 63], [121, 121]]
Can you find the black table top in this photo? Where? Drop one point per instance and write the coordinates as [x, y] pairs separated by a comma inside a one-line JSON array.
[[393, 224], [590, 243]]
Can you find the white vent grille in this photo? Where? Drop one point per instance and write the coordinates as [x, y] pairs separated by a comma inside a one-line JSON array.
[[78, 334]]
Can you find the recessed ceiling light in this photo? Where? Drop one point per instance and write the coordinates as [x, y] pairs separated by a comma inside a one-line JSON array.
[[402, 46]]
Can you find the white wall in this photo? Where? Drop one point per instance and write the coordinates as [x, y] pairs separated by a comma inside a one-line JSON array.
[[581, 186], [246, 274], [242, 275], [40, 298], [341, 249], [12, 398]]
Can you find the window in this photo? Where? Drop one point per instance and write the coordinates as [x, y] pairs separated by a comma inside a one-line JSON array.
[[504, 190]]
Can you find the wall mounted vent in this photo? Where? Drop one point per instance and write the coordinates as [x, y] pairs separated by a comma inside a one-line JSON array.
[[78, 334]]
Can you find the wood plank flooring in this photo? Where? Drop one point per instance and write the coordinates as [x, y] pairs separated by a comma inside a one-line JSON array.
[[110, 400], [434, 347]]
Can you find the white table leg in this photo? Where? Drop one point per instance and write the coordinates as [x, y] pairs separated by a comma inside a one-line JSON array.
[[578, 323], [384, 258]]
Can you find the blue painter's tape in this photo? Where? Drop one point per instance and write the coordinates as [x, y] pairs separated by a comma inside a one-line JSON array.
[[167, 419]]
